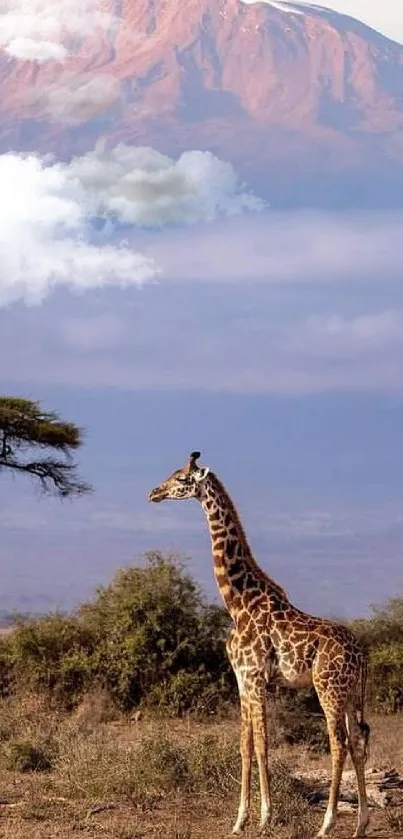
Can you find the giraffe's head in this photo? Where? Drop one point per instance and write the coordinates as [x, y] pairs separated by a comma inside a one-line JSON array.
[[183, 483]]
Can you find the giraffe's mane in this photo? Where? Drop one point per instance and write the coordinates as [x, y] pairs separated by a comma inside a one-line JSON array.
[[229, 504]]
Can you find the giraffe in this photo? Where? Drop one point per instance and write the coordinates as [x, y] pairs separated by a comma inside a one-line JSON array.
[[271, 638]]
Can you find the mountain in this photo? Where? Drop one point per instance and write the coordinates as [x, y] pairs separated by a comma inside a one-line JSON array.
[[302, 100]]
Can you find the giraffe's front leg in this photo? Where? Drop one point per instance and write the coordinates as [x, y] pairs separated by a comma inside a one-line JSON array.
[[246, 762]]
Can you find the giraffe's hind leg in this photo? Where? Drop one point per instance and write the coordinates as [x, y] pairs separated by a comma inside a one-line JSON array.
[[338, 749], [334, 709], [357, 749]]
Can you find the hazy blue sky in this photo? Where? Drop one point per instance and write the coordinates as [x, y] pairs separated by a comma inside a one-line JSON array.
[[289, 379], [166, 307]]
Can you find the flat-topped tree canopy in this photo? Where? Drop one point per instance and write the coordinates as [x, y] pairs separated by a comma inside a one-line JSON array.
[[40, 443]]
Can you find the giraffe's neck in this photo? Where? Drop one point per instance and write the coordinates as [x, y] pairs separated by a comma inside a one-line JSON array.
[[242, 584]]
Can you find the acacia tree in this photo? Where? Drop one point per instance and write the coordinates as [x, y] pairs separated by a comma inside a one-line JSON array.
[[39, 443]]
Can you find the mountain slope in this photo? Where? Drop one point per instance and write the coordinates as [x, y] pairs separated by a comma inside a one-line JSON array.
[[258, 85]]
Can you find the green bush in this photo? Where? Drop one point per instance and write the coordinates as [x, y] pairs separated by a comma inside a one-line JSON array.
[[52, 654], [382, 635], [6, 668], [185, 691], [383, 627], [299, 715], [386, 676], [156, 637], [150, 636]]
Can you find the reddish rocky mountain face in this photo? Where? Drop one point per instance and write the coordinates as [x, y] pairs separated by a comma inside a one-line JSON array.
[[271, 91]]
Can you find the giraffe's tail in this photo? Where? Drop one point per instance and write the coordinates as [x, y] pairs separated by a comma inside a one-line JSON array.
[[364, 727]]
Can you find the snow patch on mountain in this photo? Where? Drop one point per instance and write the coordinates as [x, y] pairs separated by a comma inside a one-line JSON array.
[[385, 18]]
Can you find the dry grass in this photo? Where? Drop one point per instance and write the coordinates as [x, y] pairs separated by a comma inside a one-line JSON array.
[[386, 744], [155, 779]]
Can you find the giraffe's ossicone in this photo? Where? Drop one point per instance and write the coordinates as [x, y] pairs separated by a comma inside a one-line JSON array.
[[272, 638]]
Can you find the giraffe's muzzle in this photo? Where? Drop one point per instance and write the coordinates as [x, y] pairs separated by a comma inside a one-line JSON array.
[[156, 495]]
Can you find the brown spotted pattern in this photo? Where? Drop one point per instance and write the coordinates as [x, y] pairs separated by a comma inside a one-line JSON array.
[[272, 639]]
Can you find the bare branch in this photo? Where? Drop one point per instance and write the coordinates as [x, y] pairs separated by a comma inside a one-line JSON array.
[[54, 475]]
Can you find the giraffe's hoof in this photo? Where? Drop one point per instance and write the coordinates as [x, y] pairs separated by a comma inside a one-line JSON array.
[[362, 827], [360, 832], [327, 827], [239, 825], [265, 825]]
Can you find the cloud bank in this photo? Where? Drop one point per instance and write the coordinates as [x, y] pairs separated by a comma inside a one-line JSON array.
[[276, 248], [257, 339], [47, 210]]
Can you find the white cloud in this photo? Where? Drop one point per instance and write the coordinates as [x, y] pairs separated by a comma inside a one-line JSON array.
[[39, 51], [38, 30], [46, 238], [143, 187], [79, 98], [385, 17]]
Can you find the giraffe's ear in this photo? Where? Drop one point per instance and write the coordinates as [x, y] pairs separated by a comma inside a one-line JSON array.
[[201, 474]]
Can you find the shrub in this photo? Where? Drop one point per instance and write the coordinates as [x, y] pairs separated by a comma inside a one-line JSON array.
[[156, 637], [382, 635], [301, 719], [149, 636], [28, 756], [52, 654], [291, 809], [163, 765], [386, 675], [185, 691], [6, 668], [213, 764], [383, 627]]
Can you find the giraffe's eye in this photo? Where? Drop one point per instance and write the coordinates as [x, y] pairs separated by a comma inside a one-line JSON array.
[[182, 479]]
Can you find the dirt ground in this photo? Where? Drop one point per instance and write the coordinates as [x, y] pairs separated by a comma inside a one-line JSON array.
[[185, 819], [84, 795]]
